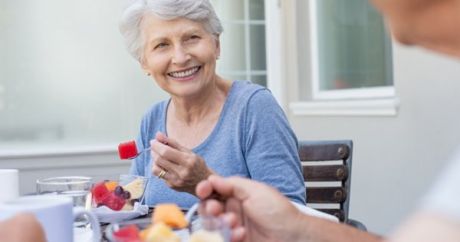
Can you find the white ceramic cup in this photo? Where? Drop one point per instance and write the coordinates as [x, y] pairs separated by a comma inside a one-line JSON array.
[[10, 180], [56, 214]]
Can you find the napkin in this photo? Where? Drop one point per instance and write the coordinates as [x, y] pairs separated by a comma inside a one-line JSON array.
[[313, 212], [107, 215]]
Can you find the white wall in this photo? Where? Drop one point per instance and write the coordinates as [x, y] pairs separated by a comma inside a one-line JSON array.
[[67, 82], [395, 158], [66, 74]]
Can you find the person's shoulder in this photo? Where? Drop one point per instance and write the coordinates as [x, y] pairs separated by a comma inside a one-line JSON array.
[[247, 87], [253, 99], [251, 92]]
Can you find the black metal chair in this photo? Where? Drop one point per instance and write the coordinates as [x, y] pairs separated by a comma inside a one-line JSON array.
[[326, 169]]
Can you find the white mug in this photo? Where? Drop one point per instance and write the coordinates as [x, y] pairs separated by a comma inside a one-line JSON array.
[[10, 180], [56, 215]]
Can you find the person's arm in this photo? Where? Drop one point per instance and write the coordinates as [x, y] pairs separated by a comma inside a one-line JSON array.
[[258, 212], [270, 147], [313, 229], [21, 228]]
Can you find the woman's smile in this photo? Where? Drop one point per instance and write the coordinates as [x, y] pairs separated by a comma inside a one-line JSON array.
[[185, 74]]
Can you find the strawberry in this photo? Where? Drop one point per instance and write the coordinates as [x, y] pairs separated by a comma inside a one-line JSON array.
[[127, 150], [114, 202], [99, 192], [129, 233]]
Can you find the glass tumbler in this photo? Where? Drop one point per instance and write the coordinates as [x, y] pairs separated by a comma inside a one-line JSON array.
[[75, 187]]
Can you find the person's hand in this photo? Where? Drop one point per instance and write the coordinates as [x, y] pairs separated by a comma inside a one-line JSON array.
[[184, 169], [255, 211], [22, 228]]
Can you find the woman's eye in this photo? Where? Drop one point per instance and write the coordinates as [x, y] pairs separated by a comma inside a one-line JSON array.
[[193, 38], [160, 45]]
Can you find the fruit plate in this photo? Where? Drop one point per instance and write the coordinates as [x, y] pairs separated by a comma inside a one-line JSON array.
[[199, 229], [114, 201]]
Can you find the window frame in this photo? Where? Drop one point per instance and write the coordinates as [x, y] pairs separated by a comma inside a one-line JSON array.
[[273, 45], [366, 101], [246, 23], [352, 93]]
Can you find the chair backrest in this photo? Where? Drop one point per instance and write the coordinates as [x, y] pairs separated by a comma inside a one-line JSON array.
[[326, 169]]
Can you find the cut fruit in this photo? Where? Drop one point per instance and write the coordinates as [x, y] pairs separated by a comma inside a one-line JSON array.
[[127, 150], [114, 202], [127, 207], [135, 188], [129, 233], [170, 214], [159, 232], [111, 185], [99, 192]]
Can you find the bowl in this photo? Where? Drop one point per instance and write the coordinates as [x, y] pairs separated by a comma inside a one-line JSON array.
[[120, 195], [204, 228], [200, 228]]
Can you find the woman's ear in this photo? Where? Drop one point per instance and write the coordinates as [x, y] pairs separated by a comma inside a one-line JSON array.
[[144, 67], [217, 47]]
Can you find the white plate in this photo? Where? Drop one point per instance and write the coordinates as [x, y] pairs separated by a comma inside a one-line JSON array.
[[107, 215]]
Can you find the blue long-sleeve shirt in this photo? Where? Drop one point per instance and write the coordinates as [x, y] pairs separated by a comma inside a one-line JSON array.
[[252, 139]]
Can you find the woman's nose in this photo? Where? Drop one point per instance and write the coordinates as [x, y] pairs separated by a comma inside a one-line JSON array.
[[180, 55]]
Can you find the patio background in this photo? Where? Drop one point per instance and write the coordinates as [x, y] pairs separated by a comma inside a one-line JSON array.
[[395, 157]]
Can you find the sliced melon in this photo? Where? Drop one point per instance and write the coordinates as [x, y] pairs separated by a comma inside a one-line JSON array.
[[170, 214], [159, 232], [135, 188]]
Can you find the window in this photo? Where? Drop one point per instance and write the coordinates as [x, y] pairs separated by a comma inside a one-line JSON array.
[[350, 57], [243, 40], [351, 50], [67, 80]]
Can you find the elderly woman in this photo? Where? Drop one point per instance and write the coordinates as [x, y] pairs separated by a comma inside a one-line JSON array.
[[209, 125]]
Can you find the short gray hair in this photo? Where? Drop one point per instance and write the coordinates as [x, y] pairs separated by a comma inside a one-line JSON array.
[[196, 10]]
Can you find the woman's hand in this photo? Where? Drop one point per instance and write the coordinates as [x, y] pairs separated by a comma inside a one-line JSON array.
[[184, 169]]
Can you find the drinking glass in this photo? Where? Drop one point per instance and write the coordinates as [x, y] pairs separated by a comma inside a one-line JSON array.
[[75, 187]]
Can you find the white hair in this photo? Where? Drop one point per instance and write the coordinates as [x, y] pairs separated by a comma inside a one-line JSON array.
[[196, 10]]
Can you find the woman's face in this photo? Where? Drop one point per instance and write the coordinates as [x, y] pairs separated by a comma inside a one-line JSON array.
[[180, 55]]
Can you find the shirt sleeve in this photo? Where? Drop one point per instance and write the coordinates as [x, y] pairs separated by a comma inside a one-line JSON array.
[[444, 196], [271, 147]]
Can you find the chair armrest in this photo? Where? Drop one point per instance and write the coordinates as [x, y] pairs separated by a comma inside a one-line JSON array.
[[356, 224]]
